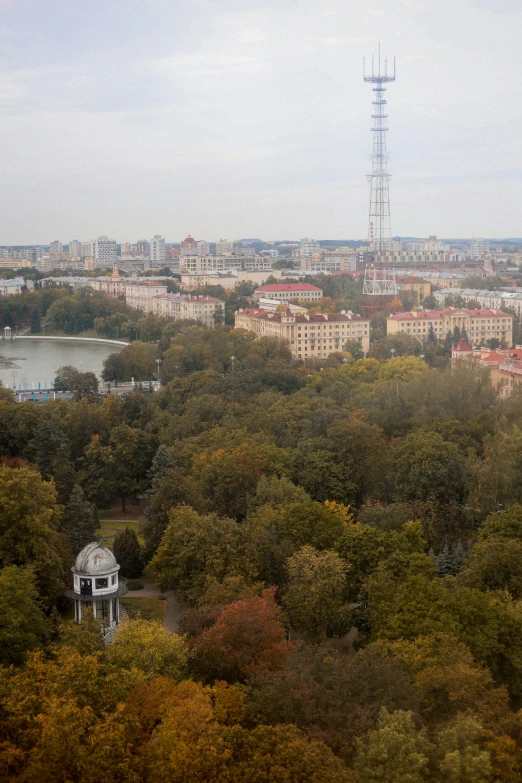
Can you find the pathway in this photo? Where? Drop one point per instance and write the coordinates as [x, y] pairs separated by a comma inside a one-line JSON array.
[[173, 609]]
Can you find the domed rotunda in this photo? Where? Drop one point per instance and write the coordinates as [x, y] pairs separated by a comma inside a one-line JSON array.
[[97, 585]]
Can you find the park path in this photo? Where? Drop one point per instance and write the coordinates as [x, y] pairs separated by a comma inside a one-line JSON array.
[[173, 608]]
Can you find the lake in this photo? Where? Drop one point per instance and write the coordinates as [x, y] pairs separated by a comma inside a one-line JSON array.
[[36, 361]]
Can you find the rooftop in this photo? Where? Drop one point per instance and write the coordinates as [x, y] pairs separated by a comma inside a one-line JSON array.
[[269, 315], [189, 298], [288, 287], [423, 315], [95, 559]]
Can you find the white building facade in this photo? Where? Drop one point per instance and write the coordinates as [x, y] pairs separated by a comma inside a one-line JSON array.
[[157, 249], [105, 251]]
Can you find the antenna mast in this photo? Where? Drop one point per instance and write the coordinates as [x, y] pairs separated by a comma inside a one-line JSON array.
[[380, 287]]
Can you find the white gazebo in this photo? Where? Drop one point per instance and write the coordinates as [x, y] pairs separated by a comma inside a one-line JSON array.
[[97, 586]]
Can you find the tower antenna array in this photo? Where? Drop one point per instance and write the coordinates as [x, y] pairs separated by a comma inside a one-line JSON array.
[[380, 287]]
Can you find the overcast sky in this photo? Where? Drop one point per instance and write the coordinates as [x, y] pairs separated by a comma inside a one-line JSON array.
[[240, 118]]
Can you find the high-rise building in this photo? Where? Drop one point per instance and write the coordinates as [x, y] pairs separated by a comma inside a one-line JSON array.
[[105, 251], [75, 248], [224, 247], [189, 246], [142, 246], [203, 248], [157, 249], [478, 247], [309, 247], [56, 247], [87, 249]]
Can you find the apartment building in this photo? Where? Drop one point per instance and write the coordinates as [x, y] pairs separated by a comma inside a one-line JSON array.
[[157, 250], [344, 259], [480, 325], [505, 365], [184, 306], [417, 285], [105, 251], [488, 299], [288, 292], [308, 247], [308, 336], [141, 295]]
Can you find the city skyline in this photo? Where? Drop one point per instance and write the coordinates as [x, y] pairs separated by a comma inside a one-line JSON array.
[[252, 120]]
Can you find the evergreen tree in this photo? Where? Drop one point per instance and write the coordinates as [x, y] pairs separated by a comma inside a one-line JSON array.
[[443, 561], [36, 322], [431, 335], [79, 520], [128, 553], [448, 344], [64, 475], [464, 334], [456, 335], [160, 464], [47, 442]]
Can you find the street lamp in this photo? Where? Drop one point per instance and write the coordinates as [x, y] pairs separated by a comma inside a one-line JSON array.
[[158, 362], [392, 351], [232, 359], [422, 356]]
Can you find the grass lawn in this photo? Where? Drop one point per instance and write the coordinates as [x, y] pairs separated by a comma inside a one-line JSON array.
[[113, 521], [148, 608]]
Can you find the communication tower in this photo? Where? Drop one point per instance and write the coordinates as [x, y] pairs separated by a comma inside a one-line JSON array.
[[380, 287]]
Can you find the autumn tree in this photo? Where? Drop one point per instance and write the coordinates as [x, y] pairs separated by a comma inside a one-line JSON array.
[[128, 553], [150, 648], [315, 598], [23, 626], [247, 639]]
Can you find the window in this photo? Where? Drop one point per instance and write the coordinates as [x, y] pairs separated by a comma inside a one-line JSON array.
[[101, 583], [113, 579]]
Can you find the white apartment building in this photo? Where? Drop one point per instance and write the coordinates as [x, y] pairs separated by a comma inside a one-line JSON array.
[[105, 251], [308, 336], [55, 247], [183, 306], [141, 295], [487, 299], [478, 247], [203, 248], [87, 249], [75, 248], [14, 286], [224, 247], [308, 247], [341, 260], [288, 292], [157, 250]]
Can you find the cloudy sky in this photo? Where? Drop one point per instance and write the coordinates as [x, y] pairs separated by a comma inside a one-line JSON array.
[[241, 118]]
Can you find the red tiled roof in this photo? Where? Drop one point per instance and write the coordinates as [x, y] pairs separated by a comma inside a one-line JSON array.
[[288, 287], [463, 345]]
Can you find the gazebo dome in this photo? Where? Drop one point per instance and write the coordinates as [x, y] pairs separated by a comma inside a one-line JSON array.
[[95, 559]]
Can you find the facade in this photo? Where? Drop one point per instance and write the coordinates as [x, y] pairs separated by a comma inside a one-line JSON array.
[[224, 247], [203, 248], [157, 249], [97, 586], [56, 247], [444, 279], [308, 336], [105, 251], [87, 250], [308, 247], [505, 365], [290, 292], [189, 246], [420, 287], [488, 299], [75, 248], [14, 286], [184, 306], [141, 295], [341, 260], [478, 248], [142, 247], [480, 325]]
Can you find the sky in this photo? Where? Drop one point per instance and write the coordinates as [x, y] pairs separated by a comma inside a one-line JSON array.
[[240, 118]]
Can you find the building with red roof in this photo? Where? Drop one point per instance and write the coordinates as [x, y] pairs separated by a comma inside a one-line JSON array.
[[479, 325], [289, 292], [308, 336]]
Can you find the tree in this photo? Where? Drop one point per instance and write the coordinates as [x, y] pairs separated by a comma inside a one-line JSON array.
[[139, 361], [128, 553], [354, 348], [23, 626], [150, 648], [330, 696], [395, 752], [86, 637], [462, 757], [427, 467], [274, 491], [402, 368], [28, 529], [47, 443], [78, 521], [318, 525], [195, 547], [315, 599], [64, 377], [247, 640], [36, 321], [495, 564], [402, 344], [113, 368]]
